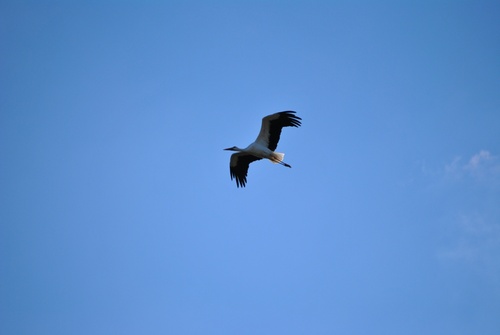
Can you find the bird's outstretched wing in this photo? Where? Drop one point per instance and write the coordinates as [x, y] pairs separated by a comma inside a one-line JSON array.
[[238, 167], [270, 130]]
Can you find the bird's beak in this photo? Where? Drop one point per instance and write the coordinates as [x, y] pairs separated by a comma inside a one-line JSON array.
[[228, 149]]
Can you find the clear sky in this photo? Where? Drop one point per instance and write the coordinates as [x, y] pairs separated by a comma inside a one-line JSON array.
[[118, 215]]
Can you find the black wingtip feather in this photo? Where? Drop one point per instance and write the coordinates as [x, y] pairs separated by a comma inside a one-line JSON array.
[[285, 119]]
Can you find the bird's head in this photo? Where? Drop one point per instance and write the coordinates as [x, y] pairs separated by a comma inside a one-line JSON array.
[[235, 148]]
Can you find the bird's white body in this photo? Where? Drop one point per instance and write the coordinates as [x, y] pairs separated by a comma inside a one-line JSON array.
[[261, 151], [263, 147]]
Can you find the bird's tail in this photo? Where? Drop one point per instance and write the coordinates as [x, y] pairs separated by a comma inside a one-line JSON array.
[[277, 158]]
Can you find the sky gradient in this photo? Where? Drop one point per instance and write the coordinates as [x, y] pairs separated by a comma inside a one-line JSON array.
[[118, 215]]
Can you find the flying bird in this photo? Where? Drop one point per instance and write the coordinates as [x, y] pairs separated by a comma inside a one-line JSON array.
[[263, 147]]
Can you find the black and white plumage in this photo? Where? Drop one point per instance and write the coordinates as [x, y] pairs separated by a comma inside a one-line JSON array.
[[263, 147]]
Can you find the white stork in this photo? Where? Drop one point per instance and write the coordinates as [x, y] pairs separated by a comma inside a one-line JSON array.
[[263, 147]]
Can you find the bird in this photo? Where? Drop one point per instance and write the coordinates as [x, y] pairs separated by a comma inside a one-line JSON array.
[[263, 146]]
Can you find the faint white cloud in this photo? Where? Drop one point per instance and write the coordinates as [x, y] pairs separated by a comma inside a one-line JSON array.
[[476, 242], [482, 166], [454, 168], [478, 160], [473, 221]]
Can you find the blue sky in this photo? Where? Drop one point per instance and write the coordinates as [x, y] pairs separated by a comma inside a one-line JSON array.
[[118, 214]]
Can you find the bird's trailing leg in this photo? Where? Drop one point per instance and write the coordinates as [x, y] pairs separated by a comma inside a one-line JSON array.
[[285, 164]]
